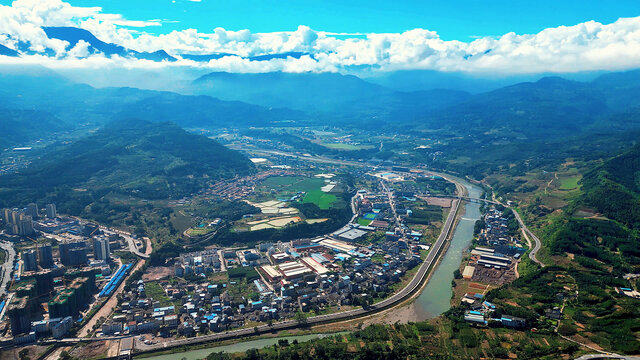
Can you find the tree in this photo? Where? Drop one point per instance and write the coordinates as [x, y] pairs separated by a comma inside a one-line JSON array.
[[24, 354], [301, 318], [456, 274], [366, 301]]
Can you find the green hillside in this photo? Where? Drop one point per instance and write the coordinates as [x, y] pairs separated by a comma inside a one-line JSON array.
[[613, 188], [21, 126], [548, 107], [136, 158]]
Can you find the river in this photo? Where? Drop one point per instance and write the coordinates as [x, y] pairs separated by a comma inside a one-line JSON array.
[[239, 347], [433, 301], [436, 296]]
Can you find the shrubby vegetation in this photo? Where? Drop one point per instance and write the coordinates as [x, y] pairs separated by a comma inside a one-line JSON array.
[[247, 273]]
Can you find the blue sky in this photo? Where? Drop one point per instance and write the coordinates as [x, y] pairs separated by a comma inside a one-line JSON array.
[[451, 19], [497, 37]]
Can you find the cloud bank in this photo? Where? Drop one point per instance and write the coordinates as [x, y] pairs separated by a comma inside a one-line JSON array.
[[587, 46]]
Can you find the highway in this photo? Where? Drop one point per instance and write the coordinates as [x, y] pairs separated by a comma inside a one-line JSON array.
[[607, 356], [398, 297]]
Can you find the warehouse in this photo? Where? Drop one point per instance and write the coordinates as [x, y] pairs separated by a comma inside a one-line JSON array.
[[293, 270], [467, 274], [271, 273], [352, 234], [315, 266], [495, 264]]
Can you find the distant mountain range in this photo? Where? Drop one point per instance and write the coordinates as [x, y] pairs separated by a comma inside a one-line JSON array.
[[550, 107], [342, 96], [136, 158], [8, 52], [74, 35], [22, 126], [37, 102]]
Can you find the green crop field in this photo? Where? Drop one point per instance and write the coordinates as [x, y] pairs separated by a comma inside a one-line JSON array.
[[348, 147], [569, 183], [322, 199]]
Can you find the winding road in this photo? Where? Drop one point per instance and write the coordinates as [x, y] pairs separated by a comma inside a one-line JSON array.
[[537, 244], [530, 235]]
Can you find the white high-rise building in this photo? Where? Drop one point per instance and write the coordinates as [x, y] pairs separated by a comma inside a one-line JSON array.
[[101, 250], [51, 211]]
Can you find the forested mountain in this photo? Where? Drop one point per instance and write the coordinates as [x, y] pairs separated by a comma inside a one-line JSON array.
[[551, 107], [73, 105], [303, 91], [548, 107], [21, 126], [136, 158], [613, 188], [334, 95], [620, 89]]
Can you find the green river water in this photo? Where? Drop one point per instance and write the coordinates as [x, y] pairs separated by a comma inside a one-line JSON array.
[[436, 296], [239, 347]]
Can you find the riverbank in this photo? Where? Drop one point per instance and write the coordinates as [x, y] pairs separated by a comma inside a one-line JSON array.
[[410, 311], [196, 353], [435, 297]]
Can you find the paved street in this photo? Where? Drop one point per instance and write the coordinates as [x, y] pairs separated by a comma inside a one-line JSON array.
[[7, 266]]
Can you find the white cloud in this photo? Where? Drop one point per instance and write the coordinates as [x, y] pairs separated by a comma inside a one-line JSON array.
[[81, 50], [582, 47]]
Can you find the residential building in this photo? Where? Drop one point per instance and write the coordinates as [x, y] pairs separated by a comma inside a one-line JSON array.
[[101, 248], [45, 253], [30, 260], [51, 211]]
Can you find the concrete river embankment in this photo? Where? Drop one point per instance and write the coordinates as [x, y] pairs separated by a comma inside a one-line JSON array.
[[436, 295]]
